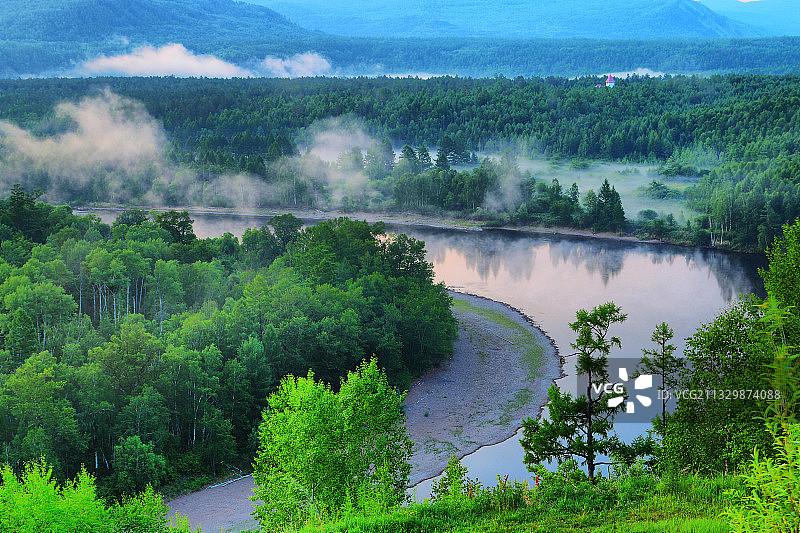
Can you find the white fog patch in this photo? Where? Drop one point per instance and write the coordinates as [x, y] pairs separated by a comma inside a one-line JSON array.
[[168, 60], [638, 72], [296, 66], [334, 136], [323, 145], [114, 150], [109, 131]]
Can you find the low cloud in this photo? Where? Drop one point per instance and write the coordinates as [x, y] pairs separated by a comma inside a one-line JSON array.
[[108, 130], [296, 66], [175, 60], [329, 138], [638, 72], [111, 150], [168, 60]]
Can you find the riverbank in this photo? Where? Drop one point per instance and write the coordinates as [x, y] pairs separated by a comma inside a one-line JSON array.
[[499, 375], [406, 219]]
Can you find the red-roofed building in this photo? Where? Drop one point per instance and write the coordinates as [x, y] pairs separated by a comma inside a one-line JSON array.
[[610, 81]]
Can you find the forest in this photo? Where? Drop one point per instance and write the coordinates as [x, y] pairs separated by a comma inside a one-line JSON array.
[[146, 355], [458, 56], [731, 140], [136, 356]]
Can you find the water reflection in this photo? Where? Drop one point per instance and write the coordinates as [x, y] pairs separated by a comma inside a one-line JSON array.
[[496, 255], [483, 253], [549, 277], [604, 261]]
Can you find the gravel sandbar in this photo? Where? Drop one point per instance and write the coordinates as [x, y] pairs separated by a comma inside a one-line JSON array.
[[499, 375]]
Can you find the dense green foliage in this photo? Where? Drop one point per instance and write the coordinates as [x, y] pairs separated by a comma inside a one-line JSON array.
[[718, 434], [735, 138], [747, 347], [562, 501], [782, 278], [322, 453], [146, 353], [641, 118], [773, 479], [771, 503], [34, 502]]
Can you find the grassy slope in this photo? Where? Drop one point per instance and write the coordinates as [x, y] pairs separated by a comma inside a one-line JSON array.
[[640, 504]]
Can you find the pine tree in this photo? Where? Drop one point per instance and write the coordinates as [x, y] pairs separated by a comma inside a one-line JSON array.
[[579, 427]]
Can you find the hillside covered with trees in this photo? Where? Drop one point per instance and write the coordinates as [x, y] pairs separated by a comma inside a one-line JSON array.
[[602, 19], [147, 354], [51, 38]]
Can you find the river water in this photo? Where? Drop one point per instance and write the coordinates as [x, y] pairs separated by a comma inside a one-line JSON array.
[[549, 277]]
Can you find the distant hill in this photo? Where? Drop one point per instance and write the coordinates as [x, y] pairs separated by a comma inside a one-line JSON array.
[[52, 37], [770, 17], [595, 19], [144, 21], [58, 37]]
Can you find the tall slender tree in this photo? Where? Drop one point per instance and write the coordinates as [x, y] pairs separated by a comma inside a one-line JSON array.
[[579, 427]]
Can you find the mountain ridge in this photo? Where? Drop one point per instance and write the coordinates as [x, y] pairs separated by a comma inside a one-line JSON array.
[[598, 19], [146, 21], [96, 37], [771, 17]]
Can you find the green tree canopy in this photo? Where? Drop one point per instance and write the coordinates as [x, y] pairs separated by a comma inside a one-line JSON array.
[[318, 449]]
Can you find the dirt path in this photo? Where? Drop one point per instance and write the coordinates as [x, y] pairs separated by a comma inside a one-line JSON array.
[[500, 373]]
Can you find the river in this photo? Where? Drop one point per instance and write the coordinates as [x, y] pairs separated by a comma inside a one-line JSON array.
[[549, 277]]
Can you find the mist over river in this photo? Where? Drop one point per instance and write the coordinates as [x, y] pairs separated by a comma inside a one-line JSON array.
[[548, 277]]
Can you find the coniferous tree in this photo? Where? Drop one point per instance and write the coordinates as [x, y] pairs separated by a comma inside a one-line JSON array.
[[579, 427], [661, 361], [442, 162], [424, 158]]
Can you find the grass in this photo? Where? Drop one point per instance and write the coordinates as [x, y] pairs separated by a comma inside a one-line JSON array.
[[439, 446], [636, 504], [521, 397], [523, 339], [495, 316]]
